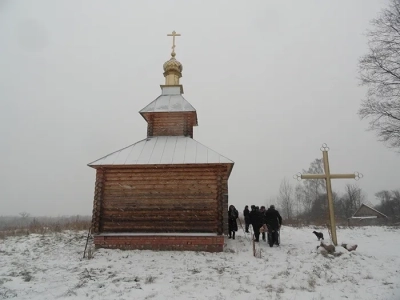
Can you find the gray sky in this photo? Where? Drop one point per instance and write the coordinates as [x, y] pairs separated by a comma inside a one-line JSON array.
[[270, 80]]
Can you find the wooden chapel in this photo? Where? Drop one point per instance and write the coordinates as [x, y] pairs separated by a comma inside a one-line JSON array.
[[167, 191]]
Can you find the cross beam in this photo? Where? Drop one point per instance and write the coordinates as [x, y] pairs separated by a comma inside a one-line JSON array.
[[173, 34], [328, 176]]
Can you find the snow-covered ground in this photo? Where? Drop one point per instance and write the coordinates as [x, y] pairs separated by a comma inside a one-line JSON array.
[[50, 266]]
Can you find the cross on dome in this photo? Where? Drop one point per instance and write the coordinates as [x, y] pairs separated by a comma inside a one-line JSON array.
[[173, 34]]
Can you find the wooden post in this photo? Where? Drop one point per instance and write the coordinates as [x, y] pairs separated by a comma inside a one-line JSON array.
[[220, 208], [328, 176]]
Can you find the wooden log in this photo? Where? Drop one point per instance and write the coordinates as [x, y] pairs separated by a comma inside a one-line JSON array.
[[156, 223], [166, 199], [157, 213], [167, 176], [158, 218], [158, 227], [163, 186], [151, 193], [116, 180], [127, 206], [187, 168]]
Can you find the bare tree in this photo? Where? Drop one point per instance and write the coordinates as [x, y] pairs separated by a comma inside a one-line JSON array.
[[299, 198], [24, 214], [286, 198], [380, 72], [396, 202], [389, 203], [313, 188], [350, 201]]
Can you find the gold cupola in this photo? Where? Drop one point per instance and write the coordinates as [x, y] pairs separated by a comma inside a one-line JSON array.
[[172, 68]]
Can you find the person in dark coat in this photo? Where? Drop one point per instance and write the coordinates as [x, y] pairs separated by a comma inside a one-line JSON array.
[[262, 210], [233, 214], [256, 220], [246, 214], [273, 221]]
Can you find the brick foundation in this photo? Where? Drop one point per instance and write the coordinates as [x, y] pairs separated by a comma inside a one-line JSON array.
[[163, 242]]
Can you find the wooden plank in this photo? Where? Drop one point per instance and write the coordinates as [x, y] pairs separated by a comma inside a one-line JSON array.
[[151, 194], [158, 202], [161, 224], [125, 206], [126, 189], [159, 184], [183, 188], [171, 223], [203, 168], [156, 214], [160, 229], [165, 177], [156, 218], [158, 209], [171, 181], [170, 120], [166, 196], [177, 199], [161, 200], [146, 211], [159, 214]]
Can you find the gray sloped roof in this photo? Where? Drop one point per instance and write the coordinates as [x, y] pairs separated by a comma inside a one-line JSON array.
[[163, 150], [365, 211], [168, 103], [171, 100]]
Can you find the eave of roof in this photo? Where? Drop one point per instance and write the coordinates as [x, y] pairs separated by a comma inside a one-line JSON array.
[[163, 150]]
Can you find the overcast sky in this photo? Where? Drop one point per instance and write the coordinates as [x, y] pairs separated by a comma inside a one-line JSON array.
[[270, 80]]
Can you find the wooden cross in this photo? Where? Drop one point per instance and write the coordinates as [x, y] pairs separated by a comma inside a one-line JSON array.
[[173, 34], [328, 176]]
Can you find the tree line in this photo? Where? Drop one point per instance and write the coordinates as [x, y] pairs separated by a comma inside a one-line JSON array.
[[307, 202], [379, 71]]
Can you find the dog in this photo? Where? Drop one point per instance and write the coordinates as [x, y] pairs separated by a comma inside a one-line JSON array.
[[349, 247], [329, 248], [263, 229], [319, 235]]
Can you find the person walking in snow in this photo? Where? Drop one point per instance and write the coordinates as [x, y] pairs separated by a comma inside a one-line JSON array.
[[273, 221], [262, 210], [246, 214], [256, 220], [233, 214]]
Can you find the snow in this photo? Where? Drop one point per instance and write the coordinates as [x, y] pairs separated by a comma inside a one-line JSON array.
[[169, 101], [50, 266], [163, 150]]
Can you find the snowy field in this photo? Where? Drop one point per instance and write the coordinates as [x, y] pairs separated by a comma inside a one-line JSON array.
[[50, 266]]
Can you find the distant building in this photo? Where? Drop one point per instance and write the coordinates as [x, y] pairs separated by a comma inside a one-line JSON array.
[[366, 215], [167, 191]]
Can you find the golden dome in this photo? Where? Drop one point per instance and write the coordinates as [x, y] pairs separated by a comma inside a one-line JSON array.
[[172, 65]]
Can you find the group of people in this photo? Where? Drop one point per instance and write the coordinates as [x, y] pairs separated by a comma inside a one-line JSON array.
[[268, 220]]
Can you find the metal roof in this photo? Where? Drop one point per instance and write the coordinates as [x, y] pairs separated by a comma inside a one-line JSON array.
[[171, 100], [363, 214], [163, 150]]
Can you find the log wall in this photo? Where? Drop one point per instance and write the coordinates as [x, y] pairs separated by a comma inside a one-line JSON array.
[[185, 243], [98, 200], [170, 124], [169, 198]]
